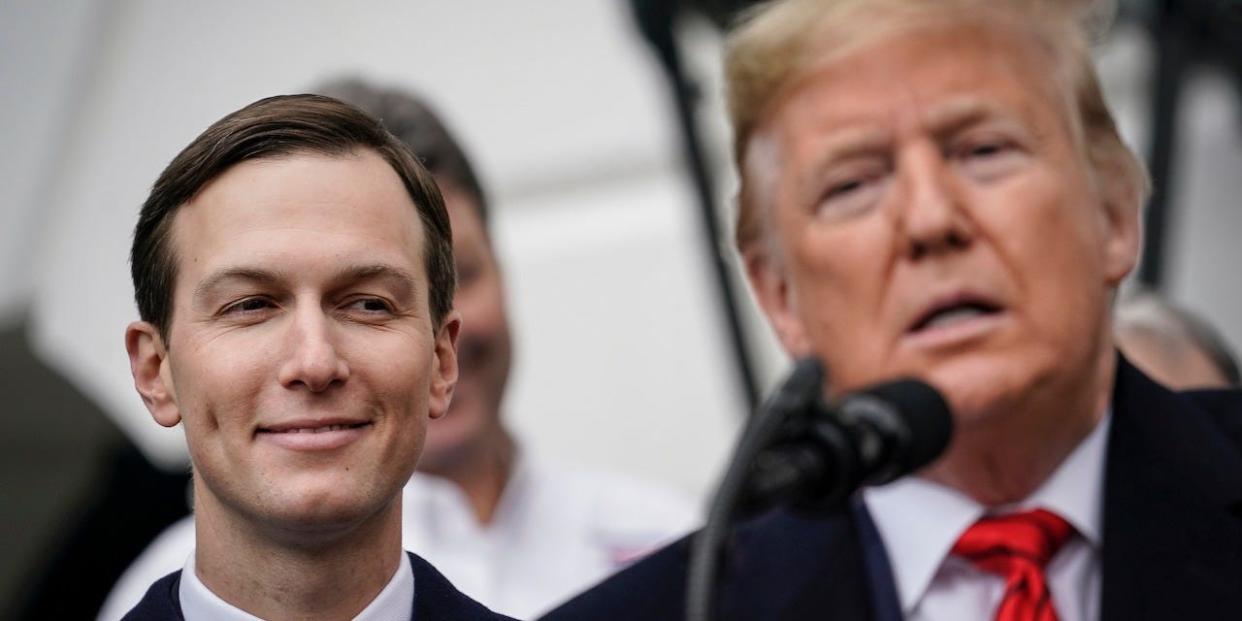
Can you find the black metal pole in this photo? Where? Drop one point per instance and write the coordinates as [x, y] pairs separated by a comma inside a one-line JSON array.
[[656, 19], [1169, 29]]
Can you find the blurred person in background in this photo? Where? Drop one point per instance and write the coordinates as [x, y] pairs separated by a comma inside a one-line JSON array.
[[938, 190], [1174, 347], [516, 532]]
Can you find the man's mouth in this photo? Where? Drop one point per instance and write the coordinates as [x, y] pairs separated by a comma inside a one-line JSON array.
[[309, 435], [318, 429], [953, 311]]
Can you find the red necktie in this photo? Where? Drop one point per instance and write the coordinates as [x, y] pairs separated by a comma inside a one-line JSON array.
[[1016, 547]]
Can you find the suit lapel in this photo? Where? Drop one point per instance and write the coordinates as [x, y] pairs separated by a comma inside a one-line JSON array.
[[788, 567], [435, 598], [883, 586], [1172, 543]]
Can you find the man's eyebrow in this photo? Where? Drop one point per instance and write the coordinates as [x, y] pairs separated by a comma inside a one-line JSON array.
[[404, 283], [959, 114], [244, 274], [844, 144]]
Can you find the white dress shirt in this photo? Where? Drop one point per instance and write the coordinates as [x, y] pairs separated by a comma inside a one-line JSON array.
[[394, 603], [557, 531], [919, 521]]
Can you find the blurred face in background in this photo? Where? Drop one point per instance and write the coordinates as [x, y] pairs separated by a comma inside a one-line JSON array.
[[483, 343], [931, 213], [1171, 359]]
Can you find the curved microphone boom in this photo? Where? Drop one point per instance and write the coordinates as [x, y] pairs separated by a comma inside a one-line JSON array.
[[802, 451], [823, 453]]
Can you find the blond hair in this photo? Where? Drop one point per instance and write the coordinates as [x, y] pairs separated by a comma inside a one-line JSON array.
[[775, 43]]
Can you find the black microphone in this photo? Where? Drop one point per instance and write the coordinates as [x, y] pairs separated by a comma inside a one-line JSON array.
[[799, 450], [823, 453]]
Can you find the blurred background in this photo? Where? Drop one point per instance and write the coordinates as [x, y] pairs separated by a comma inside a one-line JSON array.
[[598, 128]]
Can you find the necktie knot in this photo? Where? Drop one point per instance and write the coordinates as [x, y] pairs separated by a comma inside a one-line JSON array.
[[1034, 536], [1017, 547]]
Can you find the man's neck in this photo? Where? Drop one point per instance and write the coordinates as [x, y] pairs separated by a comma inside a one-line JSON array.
[[1005, 458], [481, 474], [276, 576]]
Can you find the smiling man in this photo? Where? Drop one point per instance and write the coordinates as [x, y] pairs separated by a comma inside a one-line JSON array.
[[483, 508], [937, 189], [294, 275]]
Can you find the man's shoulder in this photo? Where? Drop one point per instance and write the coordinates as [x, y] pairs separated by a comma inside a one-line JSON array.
[[1173, 487], [161, 602], [436, 598], [166, 553], [1178, 426], [1223, 407], [651, 589], [775, 562]]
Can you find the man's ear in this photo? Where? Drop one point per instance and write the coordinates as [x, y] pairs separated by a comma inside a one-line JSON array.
[[148, 362], [444, 371], [770, 283], [1122, 186]]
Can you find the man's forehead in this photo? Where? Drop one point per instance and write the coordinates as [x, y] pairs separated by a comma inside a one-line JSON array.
[[270, 206], [271, 188], [933, 79]]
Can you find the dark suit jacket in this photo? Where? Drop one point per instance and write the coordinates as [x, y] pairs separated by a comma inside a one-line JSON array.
[[435, 599], [1172, 535]]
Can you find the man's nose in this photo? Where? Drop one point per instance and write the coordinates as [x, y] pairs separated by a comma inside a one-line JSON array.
[[932, 215], [313, 361]]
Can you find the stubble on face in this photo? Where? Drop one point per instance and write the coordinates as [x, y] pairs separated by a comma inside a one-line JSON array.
[[303, 357]]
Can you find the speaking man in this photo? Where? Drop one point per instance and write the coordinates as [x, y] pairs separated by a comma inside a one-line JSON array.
[[936, 189], [293, 271]]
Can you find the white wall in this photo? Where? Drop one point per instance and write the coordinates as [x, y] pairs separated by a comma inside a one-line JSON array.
[[42, 59]]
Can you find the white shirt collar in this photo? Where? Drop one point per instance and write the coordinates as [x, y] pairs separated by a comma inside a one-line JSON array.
[[395, 601], [919, 521]]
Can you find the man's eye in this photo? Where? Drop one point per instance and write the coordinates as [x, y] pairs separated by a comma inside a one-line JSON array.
[[991, 159], [851, 196], [845, 188], [467, 272], [248, 305], [985, 150], [370, 305]]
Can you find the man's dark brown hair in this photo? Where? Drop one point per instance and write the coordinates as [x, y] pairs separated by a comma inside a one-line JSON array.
[[270, 128]]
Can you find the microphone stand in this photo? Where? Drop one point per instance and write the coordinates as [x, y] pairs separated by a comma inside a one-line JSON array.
[[802, 451], [798, 394]]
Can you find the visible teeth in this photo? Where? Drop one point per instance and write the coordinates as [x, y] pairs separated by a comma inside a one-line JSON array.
[[320, 429], [953, 315]]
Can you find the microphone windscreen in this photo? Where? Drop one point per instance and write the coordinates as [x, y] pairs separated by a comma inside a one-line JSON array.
[[923, 412]]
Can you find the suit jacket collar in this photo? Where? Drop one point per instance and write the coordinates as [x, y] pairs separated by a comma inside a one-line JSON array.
[[806, 565], [1172, 545], [434, 598]]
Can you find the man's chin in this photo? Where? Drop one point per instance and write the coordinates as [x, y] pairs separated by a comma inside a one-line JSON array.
[[315, 517]]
